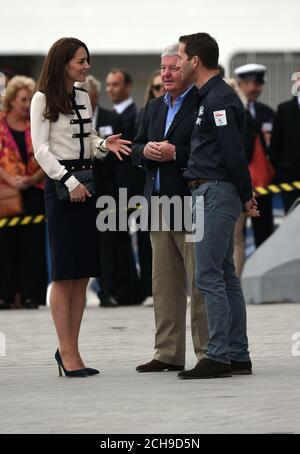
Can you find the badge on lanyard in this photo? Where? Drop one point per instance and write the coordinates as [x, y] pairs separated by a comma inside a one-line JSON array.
[[105, 131]]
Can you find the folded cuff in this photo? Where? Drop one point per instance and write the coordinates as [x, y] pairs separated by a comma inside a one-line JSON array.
[[72, 183]]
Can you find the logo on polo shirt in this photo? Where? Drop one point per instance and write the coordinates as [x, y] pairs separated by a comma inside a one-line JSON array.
[[200, 113], [220, 117]]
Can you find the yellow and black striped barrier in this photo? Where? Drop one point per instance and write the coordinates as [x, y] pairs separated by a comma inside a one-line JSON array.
[[258, 191], [276, 188], [21, 220]]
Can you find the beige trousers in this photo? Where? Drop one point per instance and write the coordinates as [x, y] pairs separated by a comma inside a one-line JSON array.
[[173, 267]]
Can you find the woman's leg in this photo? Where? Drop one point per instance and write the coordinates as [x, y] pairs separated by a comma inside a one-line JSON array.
[[60, 304], [77, 304]]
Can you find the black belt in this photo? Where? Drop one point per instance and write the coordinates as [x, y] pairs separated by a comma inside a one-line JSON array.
[[77, 164], [194, 184]]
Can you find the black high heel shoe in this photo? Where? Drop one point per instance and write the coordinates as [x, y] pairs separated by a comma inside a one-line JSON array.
[[69, 373], [91, 371]]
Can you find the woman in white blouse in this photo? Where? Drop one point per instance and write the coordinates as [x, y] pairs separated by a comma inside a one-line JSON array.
[[64, 142]]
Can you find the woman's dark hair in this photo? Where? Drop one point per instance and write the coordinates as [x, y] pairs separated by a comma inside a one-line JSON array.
[[52, 81], [203, 46]]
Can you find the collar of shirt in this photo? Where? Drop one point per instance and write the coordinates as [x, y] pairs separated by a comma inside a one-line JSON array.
[[119, 108], [179, 100], [251, 109], [298, 97], [209, 84], [172, 110]]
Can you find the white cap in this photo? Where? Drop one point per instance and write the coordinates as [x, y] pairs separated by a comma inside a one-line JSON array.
[[251, 71]]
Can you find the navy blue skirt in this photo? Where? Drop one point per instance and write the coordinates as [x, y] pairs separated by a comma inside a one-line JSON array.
[[73, 236]]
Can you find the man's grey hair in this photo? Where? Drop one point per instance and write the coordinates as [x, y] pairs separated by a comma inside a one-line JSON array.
[[171, 50], [91, 83]]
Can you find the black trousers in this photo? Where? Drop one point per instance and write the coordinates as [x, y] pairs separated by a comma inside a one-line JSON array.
[[118, 269], [263, 226], [119, 276], [23, 266], [145, 259]]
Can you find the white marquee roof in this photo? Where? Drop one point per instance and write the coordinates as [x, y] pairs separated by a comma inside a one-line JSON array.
[[139, 26]]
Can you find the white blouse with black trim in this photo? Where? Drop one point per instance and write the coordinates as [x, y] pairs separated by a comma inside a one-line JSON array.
[[70, 137]]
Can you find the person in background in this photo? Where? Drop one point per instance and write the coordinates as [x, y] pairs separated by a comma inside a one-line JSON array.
[[118, 89], [285, 144], [155, 88], [23, 267], [105, 122], [5, 75], [221, 70], [239, 228], [130, 288], [259, 123]]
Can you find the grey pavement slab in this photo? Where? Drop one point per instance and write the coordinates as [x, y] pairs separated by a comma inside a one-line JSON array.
[[33, 399]]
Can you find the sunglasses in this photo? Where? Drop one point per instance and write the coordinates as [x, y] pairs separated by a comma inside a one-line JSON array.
[[157, 87]]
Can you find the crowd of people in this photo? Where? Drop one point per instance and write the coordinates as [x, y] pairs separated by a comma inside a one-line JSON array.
[[151, 151], [23, 263]]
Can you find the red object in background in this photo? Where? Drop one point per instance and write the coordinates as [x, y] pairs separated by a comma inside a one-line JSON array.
[[261, 170]]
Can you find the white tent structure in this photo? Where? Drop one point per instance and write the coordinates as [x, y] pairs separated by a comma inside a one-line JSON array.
[[131, 34], [272, 273], [147, 26]]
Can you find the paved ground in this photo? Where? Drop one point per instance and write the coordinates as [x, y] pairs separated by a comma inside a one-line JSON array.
[[33, 399]]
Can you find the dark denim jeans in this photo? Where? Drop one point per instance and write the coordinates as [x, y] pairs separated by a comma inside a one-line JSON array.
[[215, 272]]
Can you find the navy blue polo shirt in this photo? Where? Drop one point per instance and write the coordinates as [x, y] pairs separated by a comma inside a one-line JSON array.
[[217, 148]]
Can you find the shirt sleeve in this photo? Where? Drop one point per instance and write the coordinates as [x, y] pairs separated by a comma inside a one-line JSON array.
[[40, 128], [231, 143]]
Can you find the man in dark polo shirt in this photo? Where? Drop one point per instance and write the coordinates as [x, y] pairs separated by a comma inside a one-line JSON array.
[[218, 174]]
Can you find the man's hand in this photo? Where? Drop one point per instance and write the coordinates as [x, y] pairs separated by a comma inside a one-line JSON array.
[[160, 151], [267, 137], [168, 151], [152, 151], [250, 208]]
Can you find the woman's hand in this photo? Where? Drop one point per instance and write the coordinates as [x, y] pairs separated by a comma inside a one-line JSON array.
[[117, 145], [79, 194], [36, 178], [19, 182]]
